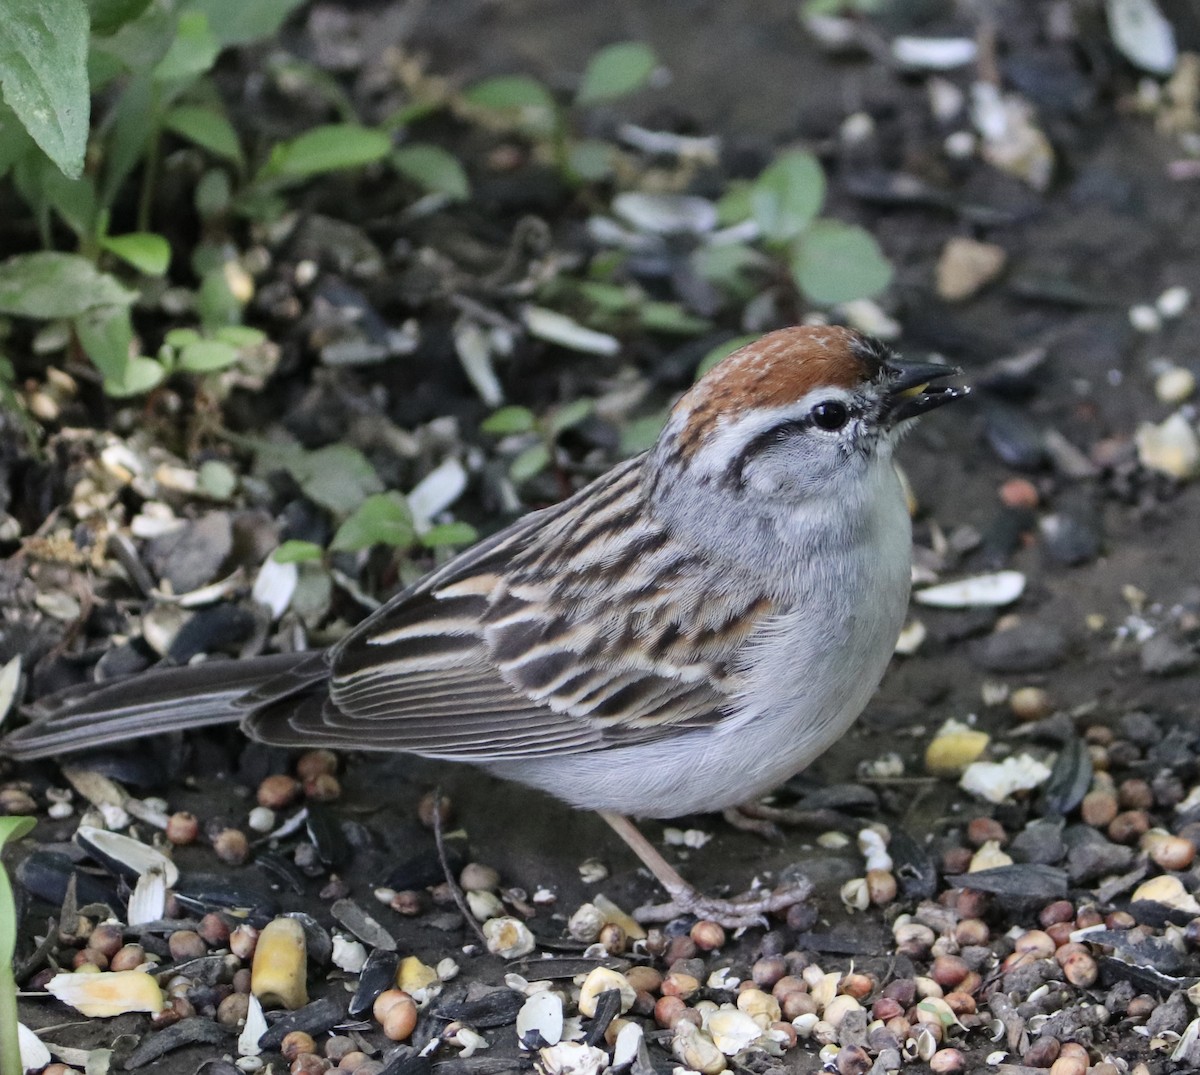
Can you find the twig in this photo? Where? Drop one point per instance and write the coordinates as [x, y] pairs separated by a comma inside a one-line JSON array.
[[459, 899]]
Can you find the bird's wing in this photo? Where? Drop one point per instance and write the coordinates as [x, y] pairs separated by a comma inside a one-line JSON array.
[[578, 628]]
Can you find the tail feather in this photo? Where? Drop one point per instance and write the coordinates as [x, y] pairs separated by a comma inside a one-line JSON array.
[[166, 700]]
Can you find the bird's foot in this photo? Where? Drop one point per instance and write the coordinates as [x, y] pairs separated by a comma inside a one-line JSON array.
[[748, 909], [745, 819], [766, 821]]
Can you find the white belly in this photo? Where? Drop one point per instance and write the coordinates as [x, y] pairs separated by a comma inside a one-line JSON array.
[[808, 674]]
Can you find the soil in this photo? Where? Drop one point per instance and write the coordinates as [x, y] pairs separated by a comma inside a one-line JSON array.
[[1112, 230]]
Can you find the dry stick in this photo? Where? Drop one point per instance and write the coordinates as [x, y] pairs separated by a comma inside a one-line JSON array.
[[459, 899]]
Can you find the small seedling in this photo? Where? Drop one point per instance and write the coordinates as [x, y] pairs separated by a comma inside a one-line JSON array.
[[11, 828]]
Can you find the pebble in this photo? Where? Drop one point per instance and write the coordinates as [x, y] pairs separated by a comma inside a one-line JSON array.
[[1145, 318], [1161, 655], [1175, 385], [966, 266], [1171, 447], [1030, 703], [1014, 437], [190, 557], [1091, 856], [1172, 302], [1019, 493], [1068, 539], [1026, 647], [1040, 842], [1169, 1017]]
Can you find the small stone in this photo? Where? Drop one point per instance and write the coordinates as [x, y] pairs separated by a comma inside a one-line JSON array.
[[1019, 493], [1169, 1017], [1039, 842], [1145, 318], [1175, 385], [1098, 808], [1026, 647], [1161, 655], [1068, 539], [1014, 437], [1171, 447], [1172, 302], [1030, 703], [191, 556], [966, 266], [1090, 856]]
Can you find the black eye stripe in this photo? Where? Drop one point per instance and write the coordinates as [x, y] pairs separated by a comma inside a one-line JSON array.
[[735, 473]]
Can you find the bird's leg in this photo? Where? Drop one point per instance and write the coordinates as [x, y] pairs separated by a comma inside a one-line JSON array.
[[749, 909]]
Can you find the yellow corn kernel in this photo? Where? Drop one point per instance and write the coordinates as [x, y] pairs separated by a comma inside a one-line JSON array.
[[277, 976]]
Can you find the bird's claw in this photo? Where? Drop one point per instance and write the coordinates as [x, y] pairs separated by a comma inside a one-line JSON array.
[[741, 912]]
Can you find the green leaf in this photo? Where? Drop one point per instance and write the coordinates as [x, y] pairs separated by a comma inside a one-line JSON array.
[[616, 71], [217, 479], [517, 99], [206, 356], [133, 124], [13, 828], [449, 535], [433, 168], [74, 200], [339, 478], [508, 420], [15, 142], [609, 298], [835, 262], [10, 1051], [734, 205], [787, 196], [193, 51], [671, 317], [297, 552], [136, 47], [243, 337], [111, 15], [207, 128], [532, 461], [141, 374], [728, 264], [590, 160], [145, 251], [569, 415], [722, 350], [383, 519], [49, 285], [642, 433], [213, 193], [181, 337], [327, 149], [106, 335], [216, 303], [43, 73], [240, 22]]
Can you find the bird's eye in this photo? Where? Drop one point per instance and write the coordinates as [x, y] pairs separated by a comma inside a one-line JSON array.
[[830, 415]]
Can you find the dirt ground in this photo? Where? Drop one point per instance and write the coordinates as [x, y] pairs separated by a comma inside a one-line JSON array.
[[1109, 553]]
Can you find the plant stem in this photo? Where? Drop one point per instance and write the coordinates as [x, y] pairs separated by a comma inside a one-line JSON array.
[[10, 1045], [149, 179]]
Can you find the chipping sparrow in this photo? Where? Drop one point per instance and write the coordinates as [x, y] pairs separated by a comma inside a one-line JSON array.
[[682, 635]]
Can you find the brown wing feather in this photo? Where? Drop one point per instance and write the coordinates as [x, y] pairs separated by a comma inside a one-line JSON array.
[[555, 636]]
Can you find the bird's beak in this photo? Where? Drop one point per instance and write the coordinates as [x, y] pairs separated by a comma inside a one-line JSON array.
[[909, 392]]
